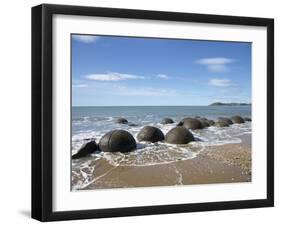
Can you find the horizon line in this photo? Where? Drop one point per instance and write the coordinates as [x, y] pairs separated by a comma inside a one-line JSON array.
[[136, 105], [153, 105]]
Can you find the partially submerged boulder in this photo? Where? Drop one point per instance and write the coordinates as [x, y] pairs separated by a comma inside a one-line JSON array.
[[224, 119], [132, 124], [121, 121], [117, 141], [179, 135], [151, 134], [87, 149], [180, 124], [221, 124], [211, 122], [247, 119], [237, 119], [191, 123], [167, 121], [205, 123]]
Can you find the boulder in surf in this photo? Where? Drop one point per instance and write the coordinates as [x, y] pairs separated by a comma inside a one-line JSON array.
[[179, 135], [117, 141], [151, 134]]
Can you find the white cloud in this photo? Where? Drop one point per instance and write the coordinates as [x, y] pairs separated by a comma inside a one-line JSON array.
[[162, 76], [144, 91], [220, 82], [113, 76], [116, 89], [85, 38], [216, 64], [79, 85], [214, 61]]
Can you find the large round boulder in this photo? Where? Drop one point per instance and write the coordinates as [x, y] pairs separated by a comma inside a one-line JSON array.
[[151, 134], [167, 121], [87, 149], [179, 135], [247, 119], [205, 123], [237, 119], [227, 120], [117, 141], [221, 124], [192, 123], [121, 121]]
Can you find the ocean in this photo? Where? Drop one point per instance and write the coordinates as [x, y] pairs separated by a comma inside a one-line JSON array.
[[93, 122]]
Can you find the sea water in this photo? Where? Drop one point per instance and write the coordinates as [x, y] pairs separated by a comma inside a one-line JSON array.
[[91, 123]]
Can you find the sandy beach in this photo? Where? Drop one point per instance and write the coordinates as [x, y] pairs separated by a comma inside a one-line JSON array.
[[227, 163]]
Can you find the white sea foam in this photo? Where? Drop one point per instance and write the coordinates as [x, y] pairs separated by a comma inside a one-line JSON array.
[[179, 177]]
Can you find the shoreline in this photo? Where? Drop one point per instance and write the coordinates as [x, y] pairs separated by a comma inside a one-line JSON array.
[[228, 163]]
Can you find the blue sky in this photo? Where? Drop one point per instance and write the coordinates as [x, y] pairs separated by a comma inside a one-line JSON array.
[[124, 71]]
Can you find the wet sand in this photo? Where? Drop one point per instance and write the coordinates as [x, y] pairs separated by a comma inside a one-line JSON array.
[[228, 163]]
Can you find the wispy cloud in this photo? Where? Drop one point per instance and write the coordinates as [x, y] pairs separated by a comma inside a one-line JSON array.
[[117, 89], [162, 76], [113, 76], [220, 82], [79, 85], [144, 91], [216, 64], [85, 38]]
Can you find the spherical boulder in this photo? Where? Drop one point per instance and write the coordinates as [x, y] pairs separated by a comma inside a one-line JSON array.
[[227, 120], [205, 123], [87, 149], [247, 119], [192, 123], [221, 124], [121, 121], [179, 135], [117, 141], [167, 121], [237, 119], [151, 134]]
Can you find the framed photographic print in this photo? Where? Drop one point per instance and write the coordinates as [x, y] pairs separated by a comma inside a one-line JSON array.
[[145, 112]]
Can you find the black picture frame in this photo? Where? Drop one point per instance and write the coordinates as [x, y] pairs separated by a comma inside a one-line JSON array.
[[42, 111]]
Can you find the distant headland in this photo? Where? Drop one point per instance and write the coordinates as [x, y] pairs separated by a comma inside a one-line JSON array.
[[229, 104]]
